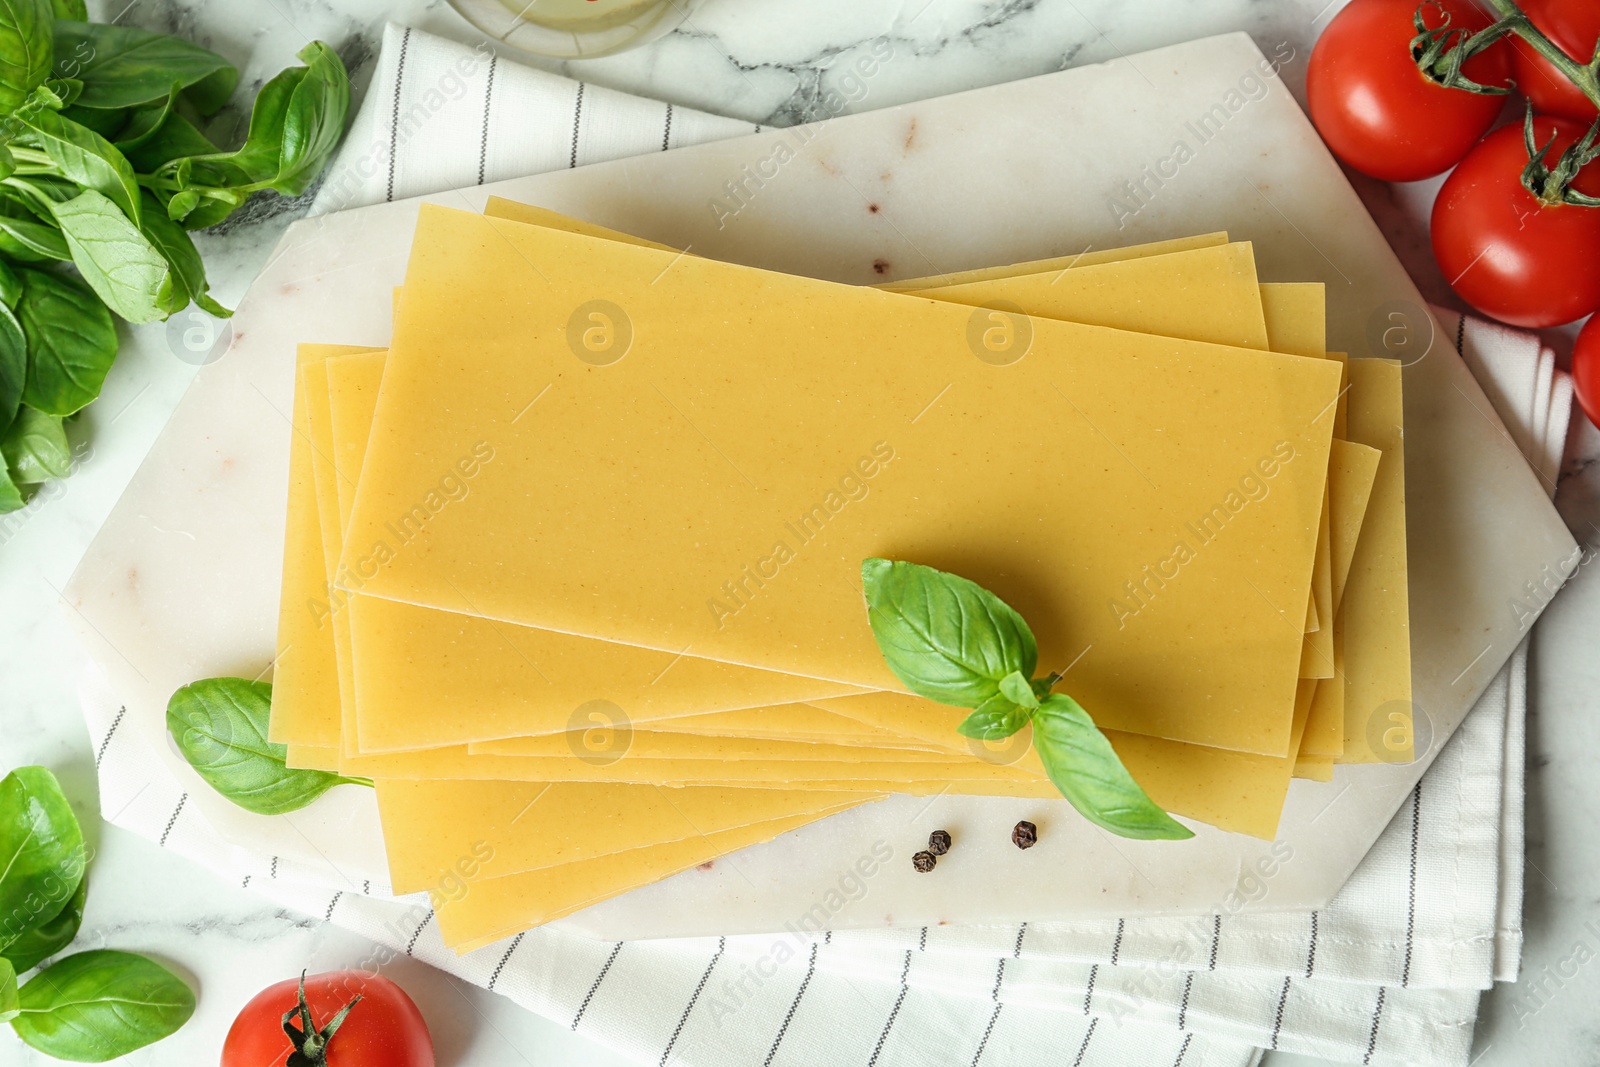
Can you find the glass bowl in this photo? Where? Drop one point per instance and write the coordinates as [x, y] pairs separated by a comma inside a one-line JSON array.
[[575, 29]]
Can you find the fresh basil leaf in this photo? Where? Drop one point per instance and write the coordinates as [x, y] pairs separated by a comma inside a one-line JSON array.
[[994, 719], [116, 258], [213, 209], [13, 359], [188, 269], [122, 66], [26, 31], [143, 123], [71, 341], [106, 122], [35, 195], [10, 495], [182, 205], [71, 9], [9, 1002], [96, 1006], [1084, 766], [220, 726], [42, 854], [176, 138], [35, 448], [38, 943], [211, 94], [315, 119], [84, 157], [1016, 688], [57, 93], [32, 242], [944, 637]]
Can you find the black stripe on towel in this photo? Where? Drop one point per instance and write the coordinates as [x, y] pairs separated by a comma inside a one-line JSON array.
[[1311, 952], [994, 1016], [722, 943], [173, 821], [894, 1013], [601, 977], [805, 982], [1411, 906], [394, 119], [1088, 1036], [101, 754], [488, 100], [1377, 1016], [412, 944], [577, 124], [1277, 1023], [495, 977]]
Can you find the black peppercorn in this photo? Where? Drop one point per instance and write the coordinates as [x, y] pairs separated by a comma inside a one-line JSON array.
[[1025, 834], [939, 842], [923, 861]]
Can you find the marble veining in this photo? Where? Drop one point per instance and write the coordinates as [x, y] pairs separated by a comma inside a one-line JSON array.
[[775, 63]]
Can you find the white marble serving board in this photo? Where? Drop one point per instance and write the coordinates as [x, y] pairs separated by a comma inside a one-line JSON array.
[[182, 582]]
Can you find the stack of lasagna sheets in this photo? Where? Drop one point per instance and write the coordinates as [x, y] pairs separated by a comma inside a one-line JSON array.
[[572, 570]]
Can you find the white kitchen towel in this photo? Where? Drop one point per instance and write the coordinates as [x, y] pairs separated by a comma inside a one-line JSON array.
[[441, 115], [1534, 401]]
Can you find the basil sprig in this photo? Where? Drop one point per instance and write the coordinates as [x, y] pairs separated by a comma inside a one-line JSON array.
[[220, 726], [950, 640], [89, 1007], [106, 165]]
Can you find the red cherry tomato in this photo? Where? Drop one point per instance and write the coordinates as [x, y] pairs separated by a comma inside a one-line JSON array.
[[1586, 369], [1507, 254], [1382, 115], [1572, 26], [383, 1029]]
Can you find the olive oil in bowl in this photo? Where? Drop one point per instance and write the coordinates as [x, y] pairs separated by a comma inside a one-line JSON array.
[[575, 29]]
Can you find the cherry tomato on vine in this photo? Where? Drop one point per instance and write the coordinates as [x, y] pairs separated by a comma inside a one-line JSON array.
[[1586, 369], [357, 1019], [1506, 252], [1572, 26], [1382, 115]]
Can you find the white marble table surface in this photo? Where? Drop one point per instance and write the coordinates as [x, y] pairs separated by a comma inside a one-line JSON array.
[[768, 61]]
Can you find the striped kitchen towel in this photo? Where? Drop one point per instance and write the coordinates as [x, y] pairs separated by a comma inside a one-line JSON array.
[[440, 115], [1388, 973]]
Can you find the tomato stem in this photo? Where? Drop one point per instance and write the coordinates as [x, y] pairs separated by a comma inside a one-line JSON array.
[[311, 1044], [1586, 76], [1553, 185], [1439, 52]]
